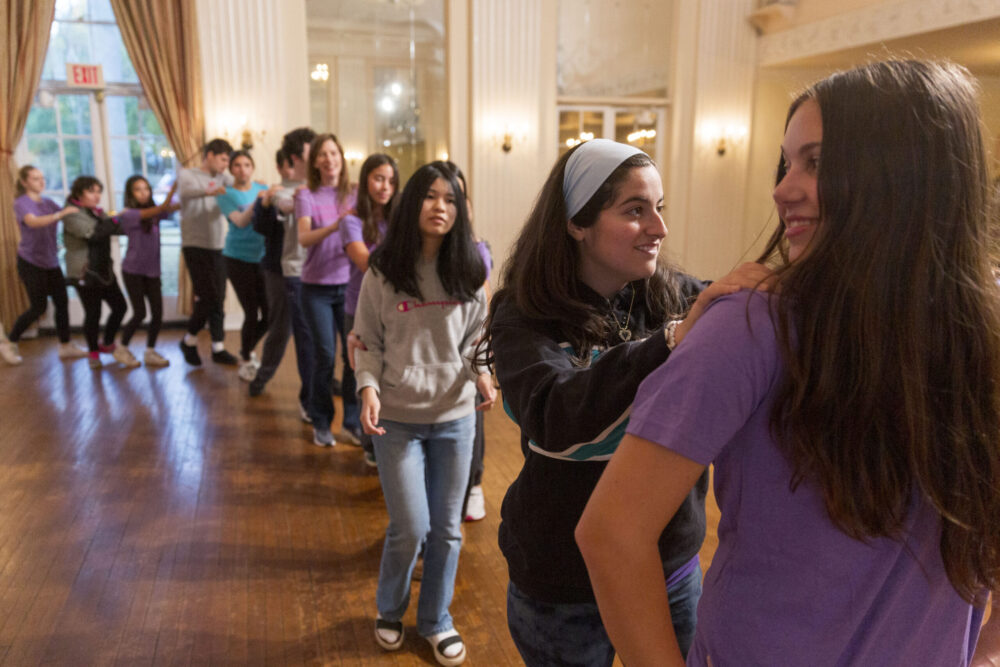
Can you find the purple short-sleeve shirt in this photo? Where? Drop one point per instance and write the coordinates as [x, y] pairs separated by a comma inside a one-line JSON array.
[[787, 587], [351, 230], [38, 244], [143, 254], [326, 262]]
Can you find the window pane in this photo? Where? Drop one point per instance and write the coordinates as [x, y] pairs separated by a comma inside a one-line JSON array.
[[79, 158], [149, 123], [100, 10], [44, 154], [160, 166], [109, 51], [68, 42], [123, 115], [637, 128], [74, 114], [71, 10], [41, 121], [126, 160]]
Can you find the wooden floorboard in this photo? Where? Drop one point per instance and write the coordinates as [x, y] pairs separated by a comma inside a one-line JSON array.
[[163, 517]]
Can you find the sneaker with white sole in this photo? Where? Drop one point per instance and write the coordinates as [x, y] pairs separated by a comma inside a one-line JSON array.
[[248, 370], [124, 356], [322, 437], [153, 358], [10, 353], [347, 437], [304, 415], [475, 509], [71, 351]]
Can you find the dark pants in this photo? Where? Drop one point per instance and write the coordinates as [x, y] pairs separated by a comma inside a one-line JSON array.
[[550, 635], [208, 281], [42, 284], [248, 283], [140, 289], [92, 296], [279, 327]]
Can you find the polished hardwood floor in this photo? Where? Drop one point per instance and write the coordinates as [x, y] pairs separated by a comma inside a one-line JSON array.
[[162, 516]]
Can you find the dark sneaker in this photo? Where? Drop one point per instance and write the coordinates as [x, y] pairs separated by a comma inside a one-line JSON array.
[[256, 388], [223, 357], [190, 353]]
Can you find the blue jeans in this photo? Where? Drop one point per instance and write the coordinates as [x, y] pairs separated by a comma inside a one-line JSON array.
[[548, 634], [324, 310], [424, 469]]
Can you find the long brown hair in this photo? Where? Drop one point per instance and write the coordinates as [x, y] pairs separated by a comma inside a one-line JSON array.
[[365, 207], [313, 179], [541, 272], [890, 326], [22, 174]]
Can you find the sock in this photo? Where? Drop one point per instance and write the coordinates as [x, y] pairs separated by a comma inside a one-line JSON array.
[[218, 346], [190, 340]]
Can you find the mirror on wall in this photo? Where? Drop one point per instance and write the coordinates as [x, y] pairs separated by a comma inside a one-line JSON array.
[[377, 78]]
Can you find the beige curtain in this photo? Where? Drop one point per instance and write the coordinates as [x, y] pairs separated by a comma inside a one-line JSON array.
[[26, 37], [162, 40]]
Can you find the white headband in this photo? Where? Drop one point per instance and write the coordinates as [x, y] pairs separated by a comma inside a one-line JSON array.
[[588, 168]]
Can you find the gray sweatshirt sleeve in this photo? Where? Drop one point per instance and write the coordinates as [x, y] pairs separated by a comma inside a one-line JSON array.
[[369, 328], [474, 331]]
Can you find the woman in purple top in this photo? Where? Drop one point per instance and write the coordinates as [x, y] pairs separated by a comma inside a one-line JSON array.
[[319, 209], [38, 263], [852, 417], [361, 232], [141, 267]]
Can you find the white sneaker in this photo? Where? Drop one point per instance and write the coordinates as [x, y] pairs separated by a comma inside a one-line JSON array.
[[124, 356], [153, 358], [304, 415], [71, 351], [10, 353], [248, 370], [475, 509]]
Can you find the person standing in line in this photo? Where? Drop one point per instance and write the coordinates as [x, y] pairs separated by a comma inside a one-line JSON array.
[[852, 416], [38, 264], [319, 209], [360, 233], [242, 252], [275, 220], [203, 231], [87, 235], [140, 221], [419, 316]]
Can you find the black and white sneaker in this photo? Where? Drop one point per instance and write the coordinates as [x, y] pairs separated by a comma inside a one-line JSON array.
[[190, 353]]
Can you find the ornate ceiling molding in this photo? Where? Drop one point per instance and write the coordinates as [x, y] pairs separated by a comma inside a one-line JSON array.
[[871, 25]]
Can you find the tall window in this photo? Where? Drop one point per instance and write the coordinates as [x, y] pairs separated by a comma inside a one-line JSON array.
[[111, 134]]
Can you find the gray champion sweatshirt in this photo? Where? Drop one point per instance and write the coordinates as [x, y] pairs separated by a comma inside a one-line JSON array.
[[419, 351]]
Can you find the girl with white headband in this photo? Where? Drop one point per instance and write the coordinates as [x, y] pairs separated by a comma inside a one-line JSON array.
[[586, 311]]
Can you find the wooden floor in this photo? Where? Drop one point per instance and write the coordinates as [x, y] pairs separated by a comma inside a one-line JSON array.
[[164, 517]]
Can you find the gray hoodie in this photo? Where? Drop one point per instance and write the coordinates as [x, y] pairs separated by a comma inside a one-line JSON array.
[[419, 351]]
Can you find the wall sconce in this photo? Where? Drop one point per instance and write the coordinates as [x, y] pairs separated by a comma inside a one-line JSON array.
[[320, 73], [722, 138], [509, 136], [352, 157], [239, 132]]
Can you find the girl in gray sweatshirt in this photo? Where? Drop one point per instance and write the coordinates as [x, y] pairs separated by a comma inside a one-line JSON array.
[[419, 315]]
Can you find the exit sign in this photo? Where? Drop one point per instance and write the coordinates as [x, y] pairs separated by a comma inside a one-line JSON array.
[[84, 76]]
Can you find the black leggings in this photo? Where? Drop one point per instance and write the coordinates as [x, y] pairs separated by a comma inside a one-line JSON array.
[[140, 288], [248, 283], [42, 284], [208, 282], [91, 296]]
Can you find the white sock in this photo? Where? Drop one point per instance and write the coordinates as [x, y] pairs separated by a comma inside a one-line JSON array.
[[190, 340], [453, 650], [218, 346]]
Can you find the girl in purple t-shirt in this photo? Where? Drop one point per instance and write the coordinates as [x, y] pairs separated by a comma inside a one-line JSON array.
[[319, 209], [852, 417], [361, 231], [38, 264], [141, 267]]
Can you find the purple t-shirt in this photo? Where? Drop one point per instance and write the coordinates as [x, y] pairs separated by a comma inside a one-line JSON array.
[[326, 262], [143, 254], [38, 244], [484, 254], [351, 230], [786, 586]]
